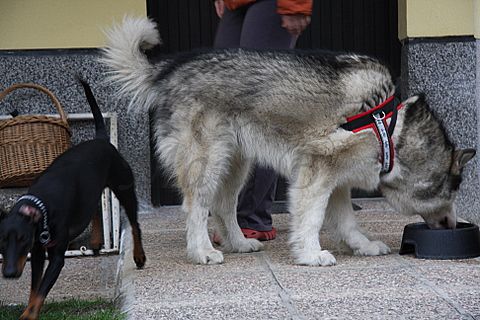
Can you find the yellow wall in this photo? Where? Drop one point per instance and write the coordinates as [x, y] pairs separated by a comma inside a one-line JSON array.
[[40, 24], [476, 18], [438, 18]]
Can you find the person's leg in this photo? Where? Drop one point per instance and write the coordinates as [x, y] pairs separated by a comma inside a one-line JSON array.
[[229, 29], [261, 30], [256, 199]]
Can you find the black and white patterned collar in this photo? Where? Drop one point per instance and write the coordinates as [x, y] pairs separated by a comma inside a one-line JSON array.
[[44, 236]]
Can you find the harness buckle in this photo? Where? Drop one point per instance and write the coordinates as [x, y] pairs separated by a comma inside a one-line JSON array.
[[379, 116]]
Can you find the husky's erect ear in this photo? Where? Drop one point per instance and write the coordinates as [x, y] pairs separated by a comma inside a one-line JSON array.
[[460, 159], [416, 99], [421, 97]]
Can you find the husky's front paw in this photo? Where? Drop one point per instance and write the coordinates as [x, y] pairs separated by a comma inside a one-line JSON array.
[[316, 258], [211, 256], [373, 248], [245, 246]]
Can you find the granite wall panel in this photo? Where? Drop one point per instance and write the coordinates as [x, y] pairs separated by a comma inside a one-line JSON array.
[[56, 70], [447, 71]]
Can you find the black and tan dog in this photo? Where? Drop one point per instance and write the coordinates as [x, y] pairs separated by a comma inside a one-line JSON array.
[[59, 206]]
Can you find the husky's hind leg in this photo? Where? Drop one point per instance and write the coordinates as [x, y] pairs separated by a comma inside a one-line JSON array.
[[309, 195], [224, 209], [341, 218], [199, 247], [199, 175]]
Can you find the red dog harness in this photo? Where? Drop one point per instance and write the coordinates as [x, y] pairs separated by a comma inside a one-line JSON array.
[[376, 119]]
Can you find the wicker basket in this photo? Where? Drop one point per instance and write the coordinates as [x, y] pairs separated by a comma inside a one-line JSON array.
[[29, 143]]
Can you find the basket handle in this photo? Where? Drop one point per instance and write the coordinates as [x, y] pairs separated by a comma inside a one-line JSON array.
[[52, 97]]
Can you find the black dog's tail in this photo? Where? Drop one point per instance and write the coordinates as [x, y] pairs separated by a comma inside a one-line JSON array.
[[100, 130]]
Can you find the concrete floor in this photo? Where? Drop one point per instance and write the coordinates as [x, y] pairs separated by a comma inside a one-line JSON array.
[[267, 285], [81, 278]]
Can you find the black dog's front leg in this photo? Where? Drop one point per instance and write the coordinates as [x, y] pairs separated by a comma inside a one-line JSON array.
[[56, 261], [37, 261]]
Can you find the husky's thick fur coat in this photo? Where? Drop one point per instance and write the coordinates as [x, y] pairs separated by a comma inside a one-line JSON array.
[[217, 112]]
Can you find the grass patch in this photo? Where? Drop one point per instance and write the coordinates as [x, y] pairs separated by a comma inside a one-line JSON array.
[[68, 310]]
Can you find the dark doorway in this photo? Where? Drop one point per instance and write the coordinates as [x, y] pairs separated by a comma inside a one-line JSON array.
[[360, 26]]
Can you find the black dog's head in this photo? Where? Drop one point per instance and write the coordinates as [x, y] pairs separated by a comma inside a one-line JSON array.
[[17, 235]]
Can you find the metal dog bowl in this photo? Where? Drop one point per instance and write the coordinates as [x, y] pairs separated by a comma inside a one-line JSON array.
[[460, 243]]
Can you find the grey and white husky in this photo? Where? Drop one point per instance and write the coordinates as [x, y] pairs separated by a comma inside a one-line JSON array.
[[217, 112]]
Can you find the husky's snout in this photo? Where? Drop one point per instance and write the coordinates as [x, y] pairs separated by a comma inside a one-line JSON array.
[[445, 222]]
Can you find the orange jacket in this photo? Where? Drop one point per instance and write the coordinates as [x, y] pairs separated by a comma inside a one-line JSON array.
[[284, 6]]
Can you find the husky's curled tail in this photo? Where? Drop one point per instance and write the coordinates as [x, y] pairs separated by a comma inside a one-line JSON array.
[[128, 64]]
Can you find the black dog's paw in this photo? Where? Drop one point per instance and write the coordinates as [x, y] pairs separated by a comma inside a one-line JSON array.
[[139, 260]]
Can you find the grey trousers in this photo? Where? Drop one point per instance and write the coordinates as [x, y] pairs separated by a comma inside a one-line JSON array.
[[256, 26]]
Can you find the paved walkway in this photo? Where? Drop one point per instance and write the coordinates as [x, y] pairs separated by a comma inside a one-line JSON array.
[[267, 285], [81, 278]]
